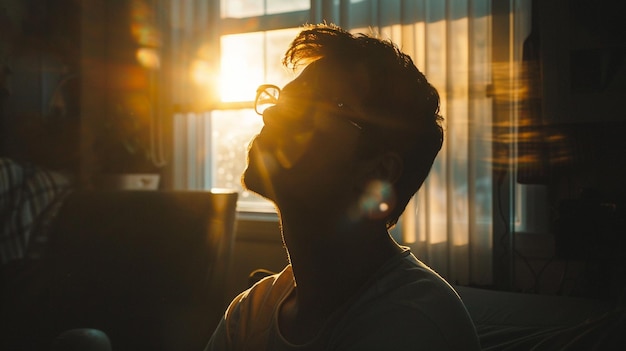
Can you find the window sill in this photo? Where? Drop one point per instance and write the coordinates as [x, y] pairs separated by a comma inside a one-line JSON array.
[[256, 226]]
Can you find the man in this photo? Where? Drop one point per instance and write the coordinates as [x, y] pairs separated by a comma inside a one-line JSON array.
[[344, 147]]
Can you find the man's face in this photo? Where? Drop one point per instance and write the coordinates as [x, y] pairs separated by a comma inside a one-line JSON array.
[[305, 152]]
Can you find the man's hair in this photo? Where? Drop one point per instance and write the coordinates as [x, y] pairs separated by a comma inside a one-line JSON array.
[[401, 106]]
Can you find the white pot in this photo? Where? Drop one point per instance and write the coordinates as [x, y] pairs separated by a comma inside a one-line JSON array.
[[131, 181]]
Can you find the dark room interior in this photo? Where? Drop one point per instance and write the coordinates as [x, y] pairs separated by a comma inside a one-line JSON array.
[[534, 163]]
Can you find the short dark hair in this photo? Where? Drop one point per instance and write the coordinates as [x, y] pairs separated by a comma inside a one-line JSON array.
[[401, 104]]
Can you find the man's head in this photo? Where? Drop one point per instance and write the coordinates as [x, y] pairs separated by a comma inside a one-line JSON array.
[[385, 128]]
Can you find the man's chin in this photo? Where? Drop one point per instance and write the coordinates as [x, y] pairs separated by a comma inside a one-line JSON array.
[[252, 181], [249, 180], [261, 168]]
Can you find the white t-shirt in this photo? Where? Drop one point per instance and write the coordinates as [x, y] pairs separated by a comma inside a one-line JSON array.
[[404, 306]]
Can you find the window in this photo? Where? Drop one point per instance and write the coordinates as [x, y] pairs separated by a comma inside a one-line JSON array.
[[217, 140], [247, 61], [252, 8]]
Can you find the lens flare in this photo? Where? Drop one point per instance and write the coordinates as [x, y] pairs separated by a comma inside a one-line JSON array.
[[377, 200], [143, 24], [148, 58]]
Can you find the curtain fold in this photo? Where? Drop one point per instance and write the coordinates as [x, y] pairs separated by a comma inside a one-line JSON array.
[[449, 224]]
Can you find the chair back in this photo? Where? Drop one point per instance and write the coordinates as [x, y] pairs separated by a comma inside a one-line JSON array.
[[146, 267]]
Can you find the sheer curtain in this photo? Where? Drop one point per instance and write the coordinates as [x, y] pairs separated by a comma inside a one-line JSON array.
[[449, 223], [193, 55]]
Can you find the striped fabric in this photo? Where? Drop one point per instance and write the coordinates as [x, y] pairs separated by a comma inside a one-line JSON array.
[[27, 196]]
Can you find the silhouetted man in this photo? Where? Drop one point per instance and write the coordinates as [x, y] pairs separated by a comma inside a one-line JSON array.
[[343, 149]]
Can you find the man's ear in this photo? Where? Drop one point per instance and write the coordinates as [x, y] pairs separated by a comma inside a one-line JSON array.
[[389, 167]]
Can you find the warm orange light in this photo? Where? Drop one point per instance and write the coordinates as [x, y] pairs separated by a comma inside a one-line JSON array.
[[201, 73], [148, 58], [128, 77], [234, 82], [142, 24]]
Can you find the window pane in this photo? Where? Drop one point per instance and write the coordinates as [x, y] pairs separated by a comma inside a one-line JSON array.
[[242, 8], [276, 45], [241, 66], [251, 59], [279, 6], [248, 60], [232, 132], [251, 8]]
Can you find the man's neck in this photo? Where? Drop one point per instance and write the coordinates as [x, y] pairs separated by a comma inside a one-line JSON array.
[[330, 265]]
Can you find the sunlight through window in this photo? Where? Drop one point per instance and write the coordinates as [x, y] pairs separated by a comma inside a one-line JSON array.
[[247, 61], [249, 8], [242, 66]]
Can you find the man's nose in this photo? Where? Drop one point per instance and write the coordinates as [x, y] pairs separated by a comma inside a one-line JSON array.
[[269, 115]]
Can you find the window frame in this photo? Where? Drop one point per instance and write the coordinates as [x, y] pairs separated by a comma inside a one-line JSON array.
[[232, 26]]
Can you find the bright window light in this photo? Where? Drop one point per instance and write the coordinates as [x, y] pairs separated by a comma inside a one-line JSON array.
[[250, 8], [242, 66], [232, 131]]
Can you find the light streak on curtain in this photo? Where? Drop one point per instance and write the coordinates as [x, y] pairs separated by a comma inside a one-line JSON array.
[[193, 53], [449, 223]]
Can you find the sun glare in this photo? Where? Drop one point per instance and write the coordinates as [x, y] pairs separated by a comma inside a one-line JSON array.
[[148, 58], [234, 81], [242, 66], [201, 73]]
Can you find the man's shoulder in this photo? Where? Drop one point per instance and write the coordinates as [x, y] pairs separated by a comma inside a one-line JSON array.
[[250, 315], [262, 298], [273, 284], [409, 298], [413, 287], [407, 273]]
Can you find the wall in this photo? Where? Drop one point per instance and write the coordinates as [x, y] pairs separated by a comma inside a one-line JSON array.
[[571, 143], [258, 245], [38, 95]]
